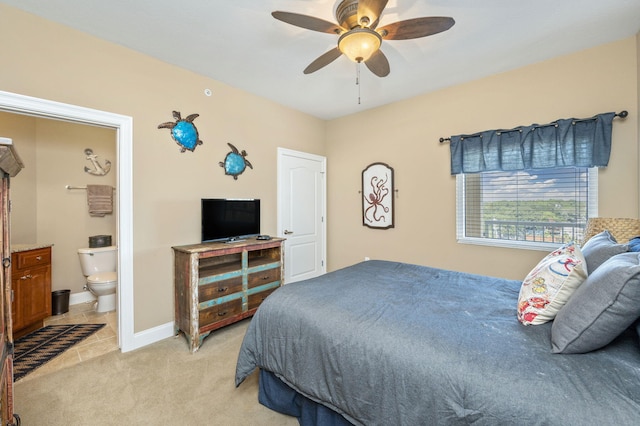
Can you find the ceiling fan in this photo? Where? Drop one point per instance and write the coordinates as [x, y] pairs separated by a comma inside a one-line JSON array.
[[359, 39]]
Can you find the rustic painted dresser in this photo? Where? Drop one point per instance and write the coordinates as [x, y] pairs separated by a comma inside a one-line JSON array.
[[219, 283]]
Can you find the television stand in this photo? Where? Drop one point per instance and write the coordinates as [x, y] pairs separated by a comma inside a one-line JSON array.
[[217, 284]]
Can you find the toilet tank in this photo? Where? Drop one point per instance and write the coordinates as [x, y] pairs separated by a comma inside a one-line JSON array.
[[99, 259]]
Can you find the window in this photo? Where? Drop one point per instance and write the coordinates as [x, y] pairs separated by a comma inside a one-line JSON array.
[[526, 208]]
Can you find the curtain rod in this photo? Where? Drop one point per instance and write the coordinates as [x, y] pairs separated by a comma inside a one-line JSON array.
[[621, 114]]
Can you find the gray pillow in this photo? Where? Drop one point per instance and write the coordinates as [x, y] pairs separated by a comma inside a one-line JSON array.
[[601, 247], [605, 305]]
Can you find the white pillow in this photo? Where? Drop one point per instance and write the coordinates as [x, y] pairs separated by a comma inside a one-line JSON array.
[[550, 284]]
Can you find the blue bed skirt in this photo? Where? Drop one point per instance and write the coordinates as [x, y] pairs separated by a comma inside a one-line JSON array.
[[276, 395]]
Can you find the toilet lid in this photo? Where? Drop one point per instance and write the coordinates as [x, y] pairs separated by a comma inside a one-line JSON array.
[[103, 277]]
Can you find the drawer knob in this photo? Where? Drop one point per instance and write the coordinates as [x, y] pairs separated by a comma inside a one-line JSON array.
[[223, 289], [221, 314], [38, 258]]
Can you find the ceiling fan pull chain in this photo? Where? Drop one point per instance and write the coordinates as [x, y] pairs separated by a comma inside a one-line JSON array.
[[358, 80]]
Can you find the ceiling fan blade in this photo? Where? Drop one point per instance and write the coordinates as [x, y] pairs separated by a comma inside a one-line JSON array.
[[416, 28], [308, 22], [323, 60], [378, 64], [371, 10]]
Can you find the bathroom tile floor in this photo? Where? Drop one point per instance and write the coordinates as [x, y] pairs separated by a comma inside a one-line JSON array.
[[103, 341]]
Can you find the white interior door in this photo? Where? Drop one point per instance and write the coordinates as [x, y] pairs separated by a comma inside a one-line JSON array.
[[301, 213]]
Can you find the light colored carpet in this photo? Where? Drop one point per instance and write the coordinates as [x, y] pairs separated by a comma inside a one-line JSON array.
[[160, 384]]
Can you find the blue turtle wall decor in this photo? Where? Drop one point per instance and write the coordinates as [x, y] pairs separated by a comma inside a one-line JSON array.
[[183, 131], [235, 163]]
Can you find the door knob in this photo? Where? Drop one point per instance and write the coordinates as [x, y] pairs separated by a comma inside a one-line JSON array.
[[287, 232]]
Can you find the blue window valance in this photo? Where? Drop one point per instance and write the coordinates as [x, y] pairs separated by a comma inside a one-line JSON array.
[[563, 143]]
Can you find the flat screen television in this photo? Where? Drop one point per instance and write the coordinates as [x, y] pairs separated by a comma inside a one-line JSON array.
[[229, 219]]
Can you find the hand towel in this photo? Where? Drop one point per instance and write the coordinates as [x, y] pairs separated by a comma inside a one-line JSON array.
[[100, 200]]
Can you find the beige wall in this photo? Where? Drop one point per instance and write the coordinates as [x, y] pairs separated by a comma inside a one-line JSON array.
[[405, 135], [43, 210], [62, 214], [22, 130], [46, 60]]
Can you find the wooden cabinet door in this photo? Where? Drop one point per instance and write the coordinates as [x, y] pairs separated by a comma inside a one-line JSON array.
[[31, 286], [32, 296]]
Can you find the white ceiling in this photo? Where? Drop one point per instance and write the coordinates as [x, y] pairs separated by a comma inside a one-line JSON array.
[[239, 43]]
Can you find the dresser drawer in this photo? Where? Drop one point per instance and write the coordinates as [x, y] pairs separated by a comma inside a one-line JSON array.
[[28, 259], [256, 299], [220, 312], [219, 289], [263, 277]]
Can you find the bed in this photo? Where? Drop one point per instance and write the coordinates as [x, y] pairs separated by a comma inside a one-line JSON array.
[[388, 343]]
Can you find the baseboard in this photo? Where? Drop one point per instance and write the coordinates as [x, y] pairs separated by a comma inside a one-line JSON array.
[[140, 339], [149, 336], [83, 297]]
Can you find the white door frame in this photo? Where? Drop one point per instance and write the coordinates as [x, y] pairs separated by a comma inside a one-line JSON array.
[[20, 104], [323, 232]]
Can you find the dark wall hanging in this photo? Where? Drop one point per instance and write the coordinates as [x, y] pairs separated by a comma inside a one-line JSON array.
[[235, 163], [377, 196], [183, 131]]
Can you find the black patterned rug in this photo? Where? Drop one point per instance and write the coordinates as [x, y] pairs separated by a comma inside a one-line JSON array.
[[41, 346]]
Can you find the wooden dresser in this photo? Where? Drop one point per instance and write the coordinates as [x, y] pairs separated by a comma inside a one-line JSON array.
[[31, 286], [217, 284]]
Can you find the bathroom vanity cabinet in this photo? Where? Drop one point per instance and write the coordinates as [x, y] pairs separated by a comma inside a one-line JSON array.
[[217, 284], [31, 286]]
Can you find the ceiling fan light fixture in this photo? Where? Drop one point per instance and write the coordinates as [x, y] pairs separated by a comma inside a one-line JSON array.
[[360, 38], [359, 44]]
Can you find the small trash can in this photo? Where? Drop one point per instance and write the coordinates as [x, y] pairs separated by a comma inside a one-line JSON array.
[[60, 302]]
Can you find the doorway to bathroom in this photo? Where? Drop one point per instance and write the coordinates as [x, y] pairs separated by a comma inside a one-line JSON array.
[[49, 199], [121, 127]]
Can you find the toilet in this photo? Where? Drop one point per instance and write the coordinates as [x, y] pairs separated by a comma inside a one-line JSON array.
[[99, 266]]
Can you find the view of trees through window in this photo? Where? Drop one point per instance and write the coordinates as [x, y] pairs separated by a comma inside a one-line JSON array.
[[548, 205]]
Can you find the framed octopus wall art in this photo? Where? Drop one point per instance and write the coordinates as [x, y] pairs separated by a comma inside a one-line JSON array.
[[377, 196]]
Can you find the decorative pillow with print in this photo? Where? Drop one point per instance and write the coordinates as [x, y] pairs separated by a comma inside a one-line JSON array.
[[550, 284]]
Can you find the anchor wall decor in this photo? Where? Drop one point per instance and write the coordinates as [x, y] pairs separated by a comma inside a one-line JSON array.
[[97, 169]]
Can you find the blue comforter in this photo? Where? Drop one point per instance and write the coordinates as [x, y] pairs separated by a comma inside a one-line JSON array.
[[386, 343]]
